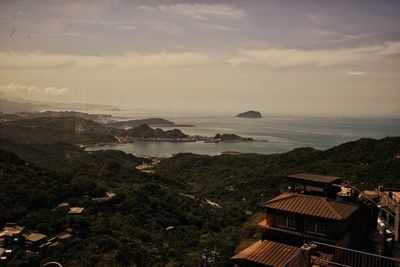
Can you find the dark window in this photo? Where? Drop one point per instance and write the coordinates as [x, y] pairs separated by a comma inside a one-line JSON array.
[[291, 222], [321, 228], [281, 221], [309, 227], [286, 222], [315, 228]]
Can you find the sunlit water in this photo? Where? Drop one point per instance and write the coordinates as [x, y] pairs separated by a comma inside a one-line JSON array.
[[283, 133]]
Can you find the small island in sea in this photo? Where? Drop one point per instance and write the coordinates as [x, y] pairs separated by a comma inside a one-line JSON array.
[[85, 129], [251, 114]]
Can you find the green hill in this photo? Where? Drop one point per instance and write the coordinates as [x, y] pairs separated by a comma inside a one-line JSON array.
[[145, 131], [164, 218], [73, 130], [55, 129]]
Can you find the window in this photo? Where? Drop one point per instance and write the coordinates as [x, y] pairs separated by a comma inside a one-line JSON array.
[[281, 221], [321, 228], [309, 227], [291, 222], [315, 228], [286, 222]]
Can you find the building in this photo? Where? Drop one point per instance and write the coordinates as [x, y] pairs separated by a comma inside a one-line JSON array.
[[268, 253], [11, 234], [295, 218], [3, 258], [34, 241], [317, 210], [307, 183], [76, 210], [64, 205], [388, 222]]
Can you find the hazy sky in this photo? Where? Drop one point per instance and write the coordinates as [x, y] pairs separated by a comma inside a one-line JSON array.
[[322, 57]]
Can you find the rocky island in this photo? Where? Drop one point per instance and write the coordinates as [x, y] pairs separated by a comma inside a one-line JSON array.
[[232, 138], [251, 114]]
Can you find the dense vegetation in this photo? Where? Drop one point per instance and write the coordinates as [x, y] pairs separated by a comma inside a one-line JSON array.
[[167, 218], [231, 137], [145, 131], [55, 129], [73, 130], [76, 114], [155, 122]]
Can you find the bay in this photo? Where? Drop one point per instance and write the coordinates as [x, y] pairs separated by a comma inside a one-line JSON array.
[[283, 133]]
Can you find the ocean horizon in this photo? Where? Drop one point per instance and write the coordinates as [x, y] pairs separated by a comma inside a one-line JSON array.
[[283, 132]]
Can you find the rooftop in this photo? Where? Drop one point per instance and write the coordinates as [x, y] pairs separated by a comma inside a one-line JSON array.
[[63, 235], [34, 237], [268, 253], [12, 230], [304, 177], [315, 206], [76, 210]]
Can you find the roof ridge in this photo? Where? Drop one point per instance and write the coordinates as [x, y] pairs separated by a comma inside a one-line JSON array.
[[280, 197], [326, 202]]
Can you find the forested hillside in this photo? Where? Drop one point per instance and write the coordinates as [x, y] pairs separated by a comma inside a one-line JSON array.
[[192, 206], [73, 130]]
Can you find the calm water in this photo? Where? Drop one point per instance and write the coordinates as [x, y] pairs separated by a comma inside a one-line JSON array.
[[284, 133]]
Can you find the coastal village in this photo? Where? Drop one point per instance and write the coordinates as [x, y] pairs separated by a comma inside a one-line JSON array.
[[14, 237], [326, 221], [319, 221]]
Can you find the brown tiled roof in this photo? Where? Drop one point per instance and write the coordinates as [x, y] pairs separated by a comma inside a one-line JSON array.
[[13, 230], [268, 253], [76, 210], [312, 205], [33, 237], [314, 177]]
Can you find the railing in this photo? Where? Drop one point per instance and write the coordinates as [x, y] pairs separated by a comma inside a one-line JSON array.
[[354, 258]]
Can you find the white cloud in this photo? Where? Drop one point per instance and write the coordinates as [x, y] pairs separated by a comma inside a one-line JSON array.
[[355, 73], [270, 58], [37, 60], [276, 58], [199, 11], [20, 88]]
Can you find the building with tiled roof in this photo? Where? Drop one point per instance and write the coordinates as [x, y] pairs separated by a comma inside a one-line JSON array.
[[269, 253], [313, 183], [299, 217], [314, 178], [309, 205], [323, 221], [34, 240]]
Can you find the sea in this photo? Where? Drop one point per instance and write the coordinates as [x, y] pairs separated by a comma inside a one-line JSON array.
[[283, 132]]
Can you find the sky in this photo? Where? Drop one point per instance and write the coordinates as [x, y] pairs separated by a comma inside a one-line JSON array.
[[278, 56]]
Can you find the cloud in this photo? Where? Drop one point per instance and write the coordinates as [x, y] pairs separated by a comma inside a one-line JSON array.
[[19, 88], [270, 58], [199, 11], [217, 27], [168, 28], [125, 27], [39, 60], [355, 73], [277, 58]]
